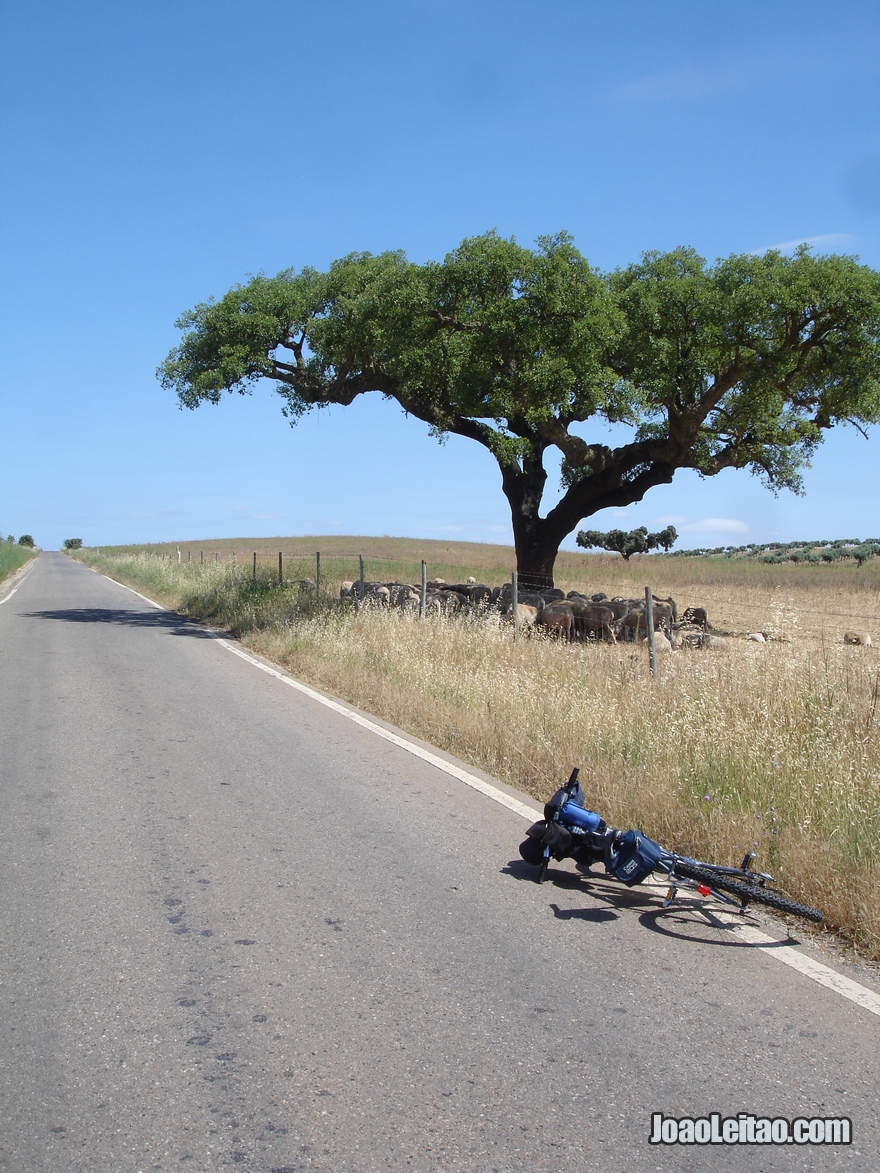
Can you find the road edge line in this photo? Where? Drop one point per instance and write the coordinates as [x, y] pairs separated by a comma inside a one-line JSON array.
[[21, 573], [820, 973], [471, 780], [817, 970]]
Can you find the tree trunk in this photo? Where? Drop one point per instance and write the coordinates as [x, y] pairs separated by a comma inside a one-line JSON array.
[[535, 557], [535, 538]]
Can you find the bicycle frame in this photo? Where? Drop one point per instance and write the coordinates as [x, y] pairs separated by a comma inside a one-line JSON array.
[[743, 873], [569, 830]]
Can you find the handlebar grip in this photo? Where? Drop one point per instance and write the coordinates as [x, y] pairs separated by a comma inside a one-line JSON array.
[[574, 777]]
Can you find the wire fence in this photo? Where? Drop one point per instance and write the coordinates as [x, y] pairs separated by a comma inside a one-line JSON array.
[[735, 613], [323, 570]]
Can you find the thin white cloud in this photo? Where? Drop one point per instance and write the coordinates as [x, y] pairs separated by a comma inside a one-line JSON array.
[[687, 83], [828, 242], [714, 525], [152, 514], [252, 511], [738, 76]]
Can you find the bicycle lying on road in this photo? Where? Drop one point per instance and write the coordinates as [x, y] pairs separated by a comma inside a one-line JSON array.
[[569, 830]]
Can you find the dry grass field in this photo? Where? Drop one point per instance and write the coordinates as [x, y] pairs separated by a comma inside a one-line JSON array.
[[775, 745]]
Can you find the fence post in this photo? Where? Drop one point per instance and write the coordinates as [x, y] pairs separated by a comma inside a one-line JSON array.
[[515, 604], [255, 565], [189, 556], [649, 628], [178, 555], [280, 570], [361, 579], [317, 573], [201, 557], [423, 597]]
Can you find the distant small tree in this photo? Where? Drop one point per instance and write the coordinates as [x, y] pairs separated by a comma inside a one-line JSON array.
[[72, 543], [26, 540], [863, 552], [10, 539], [637, 541]]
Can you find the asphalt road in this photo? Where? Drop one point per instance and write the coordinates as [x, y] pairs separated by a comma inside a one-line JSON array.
[[239, 931]]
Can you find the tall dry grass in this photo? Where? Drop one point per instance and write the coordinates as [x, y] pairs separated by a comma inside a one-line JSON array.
[[774, 746]]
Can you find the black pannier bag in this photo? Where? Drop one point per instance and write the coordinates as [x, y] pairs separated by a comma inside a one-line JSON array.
[[634, 857], [532, 852], [544, 834]]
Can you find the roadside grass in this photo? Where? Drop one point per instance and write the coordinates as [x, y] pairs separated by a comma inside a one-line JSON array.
[[13, 557], [770, 746]]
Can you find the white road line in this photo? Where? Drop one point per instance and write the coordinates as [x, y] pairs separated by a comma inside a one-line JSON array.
[[527, 812], [6, 598], [787, 954], [820, 973], [158, 606]]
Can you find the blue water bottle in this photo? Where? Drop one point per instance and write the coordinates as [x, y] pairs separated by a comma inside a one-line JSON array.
[[579, 816]]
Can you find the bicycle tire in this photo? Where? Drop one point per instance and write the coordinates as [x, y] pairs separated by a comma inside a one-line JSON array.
[[743, 890]]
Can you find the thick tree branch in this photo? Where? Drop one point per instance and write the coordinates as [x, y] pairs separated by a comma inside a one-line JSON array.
[[576, 451]]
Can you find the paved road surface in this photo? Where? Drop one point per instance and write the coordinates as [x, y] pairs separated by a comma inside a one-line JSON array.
[[238, 931]]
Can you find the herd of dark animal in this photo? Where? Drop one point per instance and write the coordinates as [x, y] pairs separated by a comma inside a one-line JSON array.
[[569, 616]]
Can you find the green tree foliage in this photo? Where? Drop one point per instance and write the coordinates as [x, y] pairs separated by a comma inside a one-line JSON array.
[[636, 541], [73, 543], [26, 540], [864, 552], [740, 364]]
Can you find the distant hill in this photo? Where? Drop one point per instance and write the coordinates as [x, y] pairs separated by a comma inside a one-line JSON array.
[[843, 549]]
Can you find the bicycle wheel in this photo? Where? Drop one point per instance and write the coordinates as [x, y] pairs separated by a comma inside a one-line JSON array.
[[744, 890]]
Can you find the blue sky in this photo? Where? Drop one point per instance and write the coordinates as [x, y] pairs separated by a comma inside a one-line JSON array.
[[155, 154]]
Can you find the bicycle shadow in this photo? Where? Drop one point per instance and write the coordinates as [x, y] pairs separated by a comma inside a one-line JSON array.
[[682, 921]]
